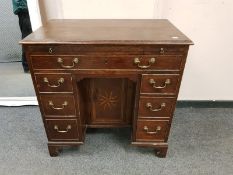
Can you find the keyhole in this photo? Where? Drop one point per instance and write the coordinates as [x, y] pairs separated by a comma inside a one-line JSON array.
[[161, 51], [50, 50]]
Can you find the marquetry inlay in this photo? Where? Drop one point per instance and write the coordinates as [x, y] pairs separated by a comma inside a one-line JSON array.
[[108, 100]]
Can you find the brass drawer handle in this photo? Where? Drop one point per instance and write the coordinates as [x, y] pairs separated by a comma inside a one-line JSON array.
[[153, 83], [149, 106], [75, 61], [59, 82], [58, 108], [158, 128], [62, 131], [137, 62]]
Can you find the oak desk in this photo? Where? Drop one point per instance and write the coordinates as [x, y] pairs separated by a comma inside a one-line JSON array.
[[107, 73]]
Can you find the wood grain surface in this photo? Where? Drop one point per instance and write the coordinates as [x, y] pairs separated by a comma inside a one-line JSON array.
[[108, 31]]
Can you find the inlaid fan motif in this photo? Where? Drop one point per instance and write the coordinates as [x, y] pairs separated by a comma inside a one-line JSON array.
[[107, 100]]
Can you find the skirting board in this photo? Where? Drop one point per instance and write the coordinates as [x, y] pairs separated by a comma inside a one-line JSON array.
[[204, 104], [32, 101], [18, 101]]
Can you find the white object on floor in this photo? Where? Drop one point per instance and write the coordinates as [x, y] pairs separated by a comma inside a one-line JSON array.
[[18, 101]]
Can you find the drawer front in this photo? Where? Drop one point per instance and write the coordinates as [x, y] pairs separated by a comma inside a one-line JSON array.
[[158, 62], [59, 129], [165, 50], [152, 130], [84, 49], [54, 83], [156, 107], [145, 62], [160, 84], [58, 105], [102, 49], [55, 62]]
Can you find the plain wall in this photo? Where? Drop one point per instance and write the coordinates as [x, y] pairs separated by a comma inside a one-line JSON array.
[[35, 15], [209, 23]]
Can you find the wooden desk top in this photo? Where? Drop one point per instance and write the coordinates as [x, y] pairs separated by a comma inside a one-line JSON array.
[[108, 31]]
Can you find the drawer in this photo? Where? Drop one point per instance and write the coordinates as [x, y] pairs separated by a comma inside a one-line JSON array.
[[54, 83], [152, 130], [55, 62], [107, 62], [120, 49], [165, 49], [160, 83], [58, 129], [156, 107], [84, 49], [58, 105], [158, 62]]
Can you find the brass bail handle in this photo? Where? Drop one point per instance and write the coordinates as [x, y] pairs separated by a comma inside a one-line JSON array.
[[150, 62], [59, 82], [153, 83], [58, 108], [150, 107], [62, 131], [157, 129], [60, 61]]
